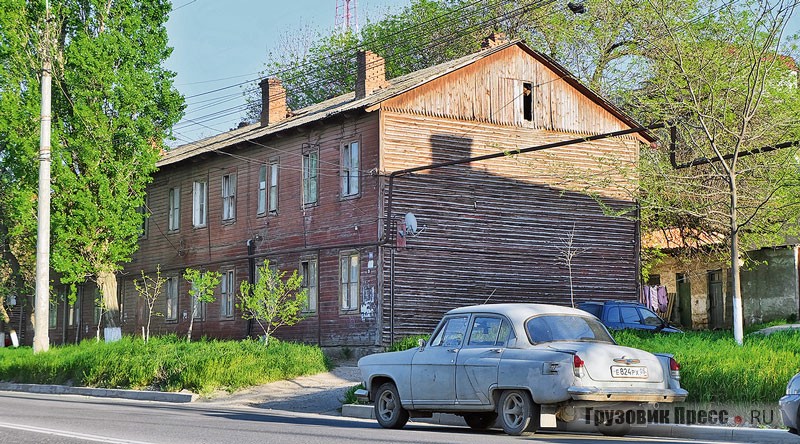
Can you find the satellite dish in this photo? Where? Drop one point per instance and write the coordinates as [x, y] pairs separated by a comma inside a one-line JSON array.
[[411, 223]]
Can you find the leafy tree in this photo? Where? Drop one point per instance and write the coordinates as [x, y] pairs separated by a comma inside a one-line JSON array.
[[113, 104], [272, 301], [725, 82], [200, 292], [149, 288]]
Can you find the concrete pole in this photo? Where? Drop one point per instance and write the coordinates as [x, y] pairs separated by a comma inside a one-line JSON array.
[[41, 338]]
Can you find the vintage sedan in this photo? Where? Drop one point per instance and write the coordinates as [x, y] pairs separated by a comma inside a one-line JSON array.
[[790, 405], [513, 361]]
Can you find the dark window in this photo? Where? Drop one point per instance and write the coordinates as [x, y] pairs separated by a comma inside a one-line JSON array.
[[527, 101], [629, 315]]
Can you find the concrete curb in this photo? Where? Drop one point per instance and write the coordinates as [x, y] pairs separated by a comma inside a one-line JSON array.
[[710, 433], [140, 395]]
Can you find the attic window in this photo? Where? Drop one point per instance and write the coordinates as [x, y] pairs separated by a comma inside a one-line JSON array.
[[527, 101]]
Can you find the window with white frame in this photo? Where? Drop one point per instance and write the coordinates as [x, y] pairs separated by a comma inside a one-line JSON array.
[[228, 291], [262, 189], [308, 270], [349, 272], [350, 168], [274, 168], [74, 316], [171, 288], [310, 174], [53, 313], [198, 307], [200, 204], [98, 306], [174, 209], [229, 197]]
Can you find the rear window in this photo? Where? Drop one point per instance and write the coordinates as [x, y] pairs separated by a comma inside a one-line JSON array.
[[595, 309], [553, 328]]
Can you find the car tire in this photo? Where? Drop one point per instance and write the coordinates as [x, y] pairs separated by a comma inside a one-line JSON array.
[[614, 429], [519, 415], [388, 410], [480, 421]]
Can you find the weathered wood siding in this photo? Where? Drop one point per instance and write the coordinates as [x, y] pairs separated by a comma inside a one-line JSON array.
[[322, 231], [490, 90], [496, 230]]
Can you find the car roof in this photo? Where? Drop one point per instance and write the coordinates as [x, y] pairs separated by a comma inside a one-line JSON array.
[[518, 312]]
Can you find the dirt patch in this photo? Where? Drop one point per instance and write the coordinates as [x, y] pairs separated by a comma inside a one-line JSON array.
[[320, 393]]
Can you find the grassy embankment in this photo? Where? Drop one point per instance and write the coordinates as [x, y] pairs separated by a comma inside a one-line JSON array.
[[165, 363]]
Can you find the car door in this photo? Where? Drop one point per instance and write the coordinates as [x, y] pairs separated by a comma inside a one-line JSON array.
[[478, 360], [433, 369]]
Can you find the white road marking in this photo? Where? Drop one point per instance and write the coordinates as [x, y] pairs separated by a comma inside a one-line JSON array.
[[66, 434]]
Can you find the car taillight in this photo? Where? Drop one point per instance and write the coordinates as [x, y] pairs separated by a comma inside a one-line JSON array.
[[674, 369], [577, 365]]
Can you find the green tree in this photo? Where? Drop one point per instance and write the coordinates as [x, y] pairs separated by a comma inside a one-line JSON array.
[[726, 83], [200, 292], [272, 301], [113, 104]]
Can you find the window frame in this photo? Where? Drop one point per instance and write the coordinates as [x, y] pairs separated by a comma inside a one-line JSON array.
[[171, 291], [261, 205], [273, 182], [174, 210], [199, 204], [227, 293], [312, 300], [349, 290], [349, 174], [228, 195], [310, 175]]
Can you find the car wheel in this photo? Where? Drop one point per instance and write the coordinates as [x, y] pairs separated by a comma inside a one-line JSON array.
[[388, 411], [519, 415], [614, 429], [480, 421]]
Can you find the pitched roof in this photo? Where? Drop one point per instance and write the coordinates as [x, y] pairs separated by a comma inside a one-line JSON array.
[[399, 85]]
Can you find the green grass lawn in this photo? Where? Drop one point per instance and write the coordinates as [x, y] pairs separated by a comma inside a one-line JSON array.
[[164, 363], [715, 369]]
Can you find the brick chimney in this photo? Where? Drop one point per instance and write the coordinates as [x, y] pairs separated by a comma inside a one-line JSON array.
[[273, 101], [371, 73], [494, 39]]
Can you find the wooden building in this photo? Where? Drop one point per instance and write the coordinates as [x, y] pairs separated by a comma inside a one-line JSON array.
[[323, 190]]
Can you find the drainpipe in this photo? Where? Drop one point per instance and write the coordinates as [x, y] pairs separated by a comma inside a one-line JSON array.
[[251, 273]]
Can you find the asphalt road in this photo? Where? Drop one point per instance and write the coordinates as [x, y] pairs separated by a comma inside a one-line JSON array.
[[67, 419]]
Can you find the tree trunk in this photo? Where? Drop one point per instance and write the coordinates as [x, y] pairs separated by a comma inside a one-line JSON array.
[[107, 282], [736, 288]]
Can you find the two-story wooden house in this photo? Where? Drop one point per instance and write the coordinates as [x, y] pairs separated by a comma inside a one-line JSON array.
[[327, 190]]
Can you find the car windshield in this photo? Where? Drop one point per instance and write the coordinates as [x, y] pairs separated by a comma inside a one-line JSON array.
[[549, 328]]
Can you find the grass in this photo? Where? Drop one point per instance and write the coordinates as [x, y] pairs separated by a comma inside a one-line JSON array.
[[164, 363], [713, 367]]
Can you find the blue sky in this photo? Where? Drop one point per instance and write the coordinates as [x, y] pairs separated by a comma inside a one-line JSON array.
[[218, 44], [221, 43]]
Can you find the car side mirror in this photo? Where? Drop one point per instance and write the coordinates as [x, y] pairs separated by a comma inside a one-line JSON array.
[[421, 344]]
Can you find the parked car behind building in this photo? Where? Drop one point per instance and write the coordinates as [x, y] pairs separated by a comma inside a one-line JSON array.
[[619, 315]]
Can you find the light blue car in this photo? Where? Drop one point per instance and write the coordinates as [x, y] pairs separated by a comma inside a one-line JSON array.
[[511, 362], [789, 404]]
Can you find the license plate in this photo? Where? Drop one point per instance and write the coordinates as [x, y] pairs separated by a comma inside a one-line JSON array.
[[623, 371]]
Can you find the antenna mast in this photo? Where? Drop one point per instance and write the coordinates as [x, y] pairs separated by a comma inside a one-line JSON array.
[[346, 15]]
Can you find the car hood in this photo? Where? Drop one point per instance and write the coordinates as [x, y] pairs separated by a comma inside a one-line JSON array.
[[599, 358]]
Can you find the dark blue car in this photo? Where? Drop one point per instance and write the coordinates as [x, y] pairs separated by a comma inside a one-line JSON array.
[[619, 315]]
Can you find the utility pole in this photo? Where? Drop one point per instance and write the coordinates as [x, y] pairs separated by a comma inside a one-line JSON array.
[[41, 339]]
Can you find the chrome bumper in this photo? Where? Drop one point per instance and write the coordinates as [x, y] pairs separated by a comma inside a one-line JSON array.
[[635, 395]]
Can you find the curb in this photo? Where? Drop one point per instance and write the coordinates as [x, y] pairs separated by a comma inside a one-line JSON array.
[[139, 395], [710, 433]]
